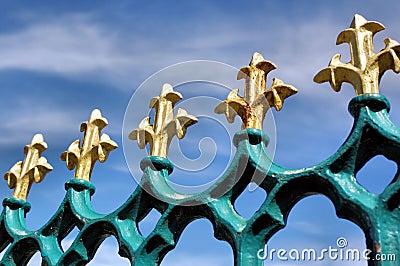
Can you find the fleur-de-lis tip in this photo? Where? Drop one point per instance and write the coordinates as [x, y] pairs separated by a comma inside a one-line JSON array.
[[83, 155], [360, 22], [259, 62]]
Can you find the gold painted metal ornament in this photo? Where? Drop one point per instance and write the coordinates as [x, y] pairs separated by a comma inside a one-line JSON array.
[[365, 68], [93, 147], [257, 100], [33, 169], [166, 126]]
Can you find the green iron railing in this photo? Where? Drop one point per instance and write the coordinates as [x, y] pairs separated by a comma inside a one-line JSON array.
[[372, 134]]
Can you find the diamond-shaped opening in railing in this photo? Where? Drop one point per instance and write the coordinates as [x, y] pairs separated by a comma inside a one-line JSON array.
[[312, 229], [148, 223], [35, 260], [197, 246], [69, 239], [377, 174], [107, 254], [250, 201]]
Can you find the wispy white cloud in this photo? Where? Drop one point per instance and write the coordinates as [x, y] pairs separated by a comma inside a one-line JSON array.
[[68, 44], [20, 125], [76, 45]]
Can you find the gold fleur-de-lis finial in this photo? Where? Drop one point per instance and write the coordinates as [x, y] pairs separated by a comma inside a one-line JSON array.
[[257, 100], [166, 126], [33, 169], [94, 147], [365, 68]]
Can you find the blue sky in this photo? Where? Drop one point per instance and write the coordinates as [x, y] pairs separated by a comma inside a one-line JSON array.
[[58, 61]]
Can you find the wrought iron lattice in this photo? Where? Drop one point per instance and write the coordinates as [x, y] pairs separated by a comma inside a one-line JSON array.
[[372, 134]]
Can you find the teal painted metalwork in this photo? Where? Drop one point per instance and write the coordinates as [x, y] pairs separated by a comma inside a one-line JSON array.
[[373, 134]]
